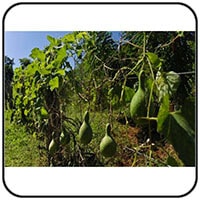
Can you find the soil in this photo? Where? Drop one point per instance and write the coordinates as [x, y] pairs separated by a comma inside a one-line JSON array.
[[137, 149]]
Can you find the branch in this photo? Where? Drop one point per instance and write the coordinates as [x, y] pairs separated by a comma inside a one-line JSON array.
[[167, 44], [132, 44]]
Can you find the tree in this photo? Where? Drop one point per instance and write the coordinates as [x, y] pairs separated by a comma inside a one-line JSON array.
[[176, 49], [98, 64], [24, 62], [8, 64], [103, 74]]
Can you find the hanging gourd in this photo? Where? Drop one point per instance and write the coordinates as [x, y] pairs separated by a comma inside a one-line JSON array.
[[137, 105], [53, 147], [85, 131], [108, 146]]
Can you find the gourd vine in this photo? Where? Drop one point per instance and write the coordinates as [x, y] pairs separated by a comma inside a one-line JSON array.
[[74, 94]]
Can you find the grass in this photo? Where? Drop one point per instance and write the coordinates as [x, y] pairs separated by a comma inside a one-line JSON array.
[[21, 148]]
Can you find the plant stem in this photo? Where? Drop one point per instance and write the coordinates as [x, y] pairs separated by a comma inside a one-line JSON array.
[[143, 55], [144, 44], [150, 97], [150, 153], [149, 118]]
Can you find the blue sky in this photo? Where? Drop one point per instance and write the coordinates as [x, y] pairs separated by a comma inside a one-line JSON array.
[[18, 44]]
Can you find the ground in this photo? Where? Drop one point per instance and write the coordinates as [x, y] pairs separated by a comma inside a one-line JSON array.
[[134, 147]]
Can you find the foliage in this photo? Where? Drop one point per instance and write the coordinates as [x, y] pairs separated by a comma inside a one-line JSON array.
[[8, 65], [90, 71], [176, 128], [21, 149]]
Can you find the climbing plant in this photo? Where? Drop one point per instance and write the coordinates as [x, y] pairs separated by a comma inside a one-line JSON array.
[[89, 71]]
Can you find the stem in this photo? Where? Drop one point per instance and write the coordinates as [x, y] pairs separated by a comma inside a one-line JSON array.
[[122, 92], [151, 69], [135, 157], [136, 150], [144, 44], [149, 129], [148, 110], [143, 55], [150, 97], [150, 153], [132, 44], [149, 118]]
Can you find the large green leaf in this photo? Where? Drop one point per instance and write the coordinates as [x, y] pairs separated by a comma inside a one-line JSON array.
[[31, 69], [179, 133], [61, 72], [154, 59], [188, 110], [127, 94], [167, 83], [163, 112], [61, 54], [69, 38], [36, 53], [83, 35], [54, 83], [172, 162], [53, 41], [44, 71]]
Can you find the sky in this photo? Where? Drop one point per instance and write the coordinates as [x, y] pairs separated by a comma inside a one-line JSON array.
[[18, 44]]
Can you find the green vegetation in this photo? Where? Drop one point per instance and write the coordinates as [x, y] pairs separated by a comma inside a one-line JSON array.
[[108, 145], [137, 106], [85, 131], [21, 149], [137, 88]]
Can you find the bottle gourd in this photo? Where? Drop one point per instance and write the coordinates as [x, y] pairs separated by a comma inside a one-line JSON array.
[[137, 105], [108, 146], [85, 131], [53, 147]]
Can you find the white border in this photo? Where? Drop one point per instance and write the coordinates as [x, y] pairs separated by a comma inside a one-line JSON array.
[[100, 181], [131, 17]]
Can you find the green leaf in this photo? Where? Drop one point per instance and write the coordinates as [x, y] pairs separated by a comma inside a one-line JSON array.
[[163, 113], [18, 85], [36, 53], [25, 100], [54, 83], [43, 112], [82, 35], [154, 59], [188, 110], [26, 112], [31, 69], [173, 81], [171, 161], [61, 72], [69, 38], [127, 94], [178, 132], [167, 83], [61, 54], [52, 40], [183, 123], [44, 71]]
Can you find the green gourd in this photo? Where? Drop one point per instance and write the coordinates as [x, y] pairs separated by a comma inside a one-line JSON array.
[[137, 105], [53, 147], [85, 131], [64, 138], [108, 146]]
